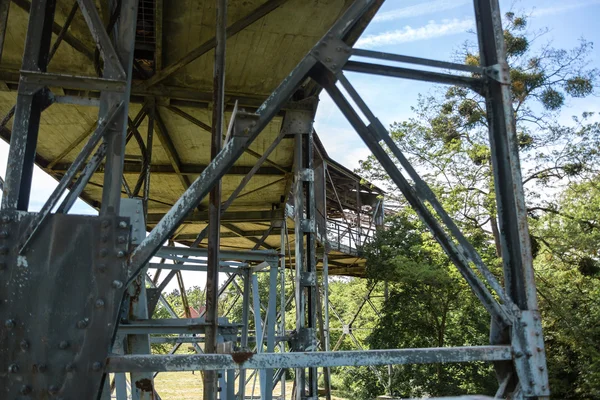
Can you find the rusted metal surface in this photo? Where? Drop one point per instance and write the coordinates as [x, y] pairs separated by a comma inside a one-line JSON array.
[[308, 359], [59, 304]]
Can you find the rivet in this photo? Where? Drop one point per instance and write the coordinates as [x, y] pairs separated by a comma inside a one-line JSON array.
[[323, 44], [13, 368], [120, 254], [518, 354], [537, 334], [535, 318], [3, 234], [121, 239], [5, 219], [99, 303], [524, 323], [53, 389], [9, 323], [102, 268], [97, 366], [347, 51], [103, 252], [123, 224], [338, 48], [42, 368], [541, 368], [25, 389], [3, 250], [544, 387], [105, 223], [24, 345], [532, 382], [328, 59], [104, 238], [529, 354], [63, 345], [70, 367], [334, 66], [540, 349], [117, 284]]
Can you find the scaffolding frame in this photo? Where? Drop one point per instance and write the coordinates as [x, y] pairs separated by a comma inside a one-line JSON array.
[[120, 257]]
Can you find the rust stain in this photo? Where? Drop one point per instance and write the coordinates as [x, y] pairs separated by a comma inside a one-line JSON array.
[[145, 385], [241, 356]]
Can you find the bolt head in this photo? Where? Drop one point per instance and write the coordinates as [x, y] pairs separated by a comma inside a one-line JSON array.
[[102, 268], [123, 224], [97, 366], [13, 368], [82, 324], [63, 345], [24, 345], [103, 252], [3, 250], [541, 368], [120, 254], [518, 354], [117, 284], [121, 239], [53, 390], [339, 48], [25, 389], [529, 354], [539, 349], [9, 323], [105, 223], [70, 367], [99, 303], [3, 234], [5, 219], [42, 368], [104, 238]]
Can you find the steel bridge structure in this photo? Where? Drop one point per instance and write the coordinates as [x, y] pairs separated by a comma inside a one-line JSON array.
[[219, 98]]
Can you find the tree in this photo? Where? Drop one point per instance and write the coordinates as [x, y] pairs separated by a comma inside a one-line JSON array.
[[447, 141]]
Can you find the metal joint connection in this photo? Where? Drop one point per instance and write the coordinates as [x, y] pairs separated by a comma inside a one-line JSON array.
[[332, 52], [499, 73]]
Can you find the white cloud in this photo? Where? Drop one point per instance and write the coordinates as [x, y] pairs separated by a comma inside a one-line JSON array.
[[407, 34], [562, 7], [424, 8]]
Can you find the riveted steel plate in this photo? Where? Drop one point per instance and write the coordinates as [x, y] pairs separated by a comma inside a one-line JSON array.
[[59, 302]]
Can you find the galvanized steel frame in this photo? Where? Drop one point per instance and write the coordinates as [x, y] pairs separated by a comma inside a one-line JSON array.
[[517, 349]]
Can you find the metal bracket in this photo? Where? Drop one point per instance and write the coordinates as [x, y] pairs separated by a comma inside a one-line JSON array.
[[333, 53], [498, 72], [134, 209], [308, 278], [303, 339], [529, 354], [306, 175], [243, 124], [308, 226]]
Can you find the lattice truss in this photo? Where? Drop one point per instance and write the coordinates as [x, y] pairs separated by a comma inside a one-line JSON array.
[[76, 301]]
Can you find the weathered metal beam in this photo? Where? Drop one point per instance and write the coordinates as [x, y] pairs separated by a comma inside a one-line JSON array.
[[31, 81], [416, 60], [167, 143], [56, 29], [242, 234], [226, 235], [4, 8], [407, 73], [210, 44], [229, 216], [309, 359], [131, 167]]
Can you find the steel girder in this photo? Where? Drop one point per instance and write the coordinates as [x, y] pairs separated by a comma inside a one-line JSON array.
[[518, 350]]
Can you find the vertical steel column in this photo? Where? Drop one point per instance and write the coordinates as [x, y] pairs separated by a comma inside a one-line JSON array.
[[124, 40], [149, 144], [271, 320], [510, 199], [214, 207], [358, 221], [4, 8], [23, 140], [305, 229], [244, 338], [282, 299], [326, 313]]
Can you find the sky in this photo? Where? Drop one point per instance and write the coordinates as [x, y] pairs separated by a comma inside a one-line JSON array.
[[431, 29]]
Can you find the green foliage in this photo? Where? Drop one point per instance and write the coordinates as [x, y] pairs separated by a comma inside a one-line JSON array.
[[447, 142]]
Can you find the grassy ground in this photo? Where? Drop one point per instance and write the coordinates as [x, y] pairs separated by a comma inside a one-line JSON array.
[[188, 386]]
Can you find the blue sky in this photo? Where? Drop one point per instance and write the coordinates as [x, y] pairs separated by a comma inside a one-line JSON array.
[[433, 29], [437, 29]]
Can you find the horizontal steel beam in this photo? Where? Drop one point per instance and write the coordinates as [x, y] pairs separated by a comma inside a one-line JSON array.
[[416, 60], [31, 79], [172, 325], [194, 267], [132, 167], [225, 235], [407, 73], [228, 216], [249, 255], [157, 363]]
